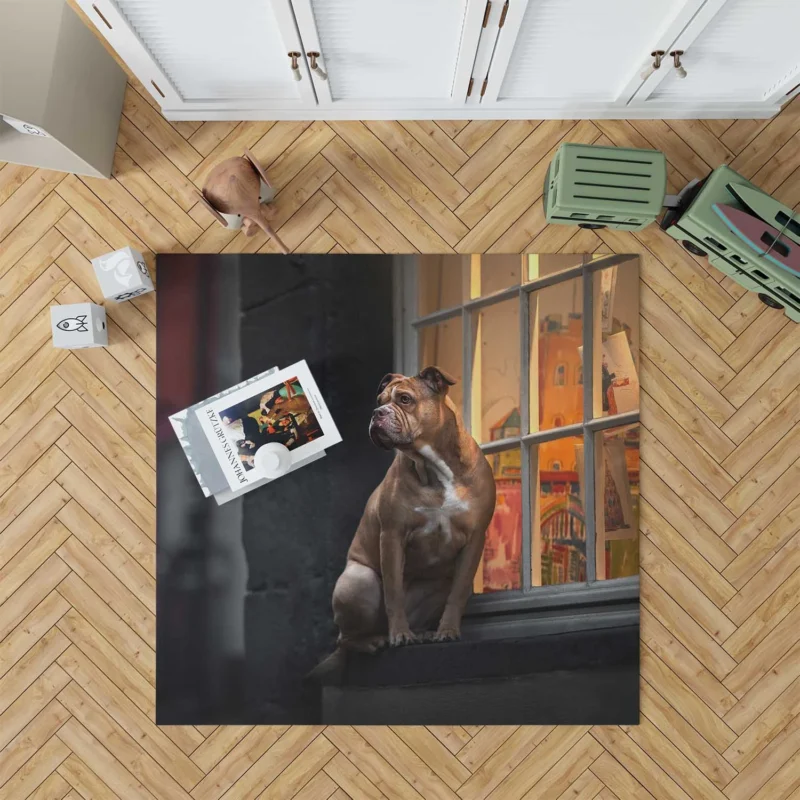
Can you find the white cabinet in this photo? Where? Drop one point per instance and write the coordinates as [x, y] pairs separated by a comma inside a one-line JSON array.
[[573, 54], [361, 59], [732, 52], [227, 57], [384, 54]]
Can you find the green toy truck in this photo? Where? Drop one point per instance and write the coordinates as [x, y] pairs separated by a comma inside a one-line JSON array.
[[605, 187], [624, 188]]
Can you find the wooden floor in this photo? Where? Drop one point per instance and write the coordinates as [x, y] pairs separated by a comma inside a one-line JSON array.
[[720, 475]]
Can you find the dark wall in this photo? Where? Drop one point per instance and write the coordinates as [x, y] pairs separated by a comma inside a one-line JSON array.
[[297, 531]]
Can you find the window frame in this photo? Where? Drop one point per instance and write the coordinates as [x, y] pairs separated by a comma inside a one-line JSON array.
[[408, 325]]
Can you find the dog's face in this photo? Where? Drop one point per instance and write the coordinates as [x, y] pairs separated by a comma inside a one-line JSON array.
[[410, 409]]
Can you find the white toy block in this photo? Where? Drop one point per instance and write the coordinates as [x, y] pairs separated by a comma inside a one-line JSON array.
[[78, 325], [122, 274]]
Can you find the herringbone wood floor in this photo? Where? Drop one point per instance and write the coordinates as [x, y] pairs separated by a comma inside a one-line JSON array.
[[720, 474]]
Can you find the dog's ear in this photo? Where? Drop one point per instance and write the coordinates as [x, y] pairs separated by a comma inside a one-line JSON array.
[[386, 380], [437, 379]]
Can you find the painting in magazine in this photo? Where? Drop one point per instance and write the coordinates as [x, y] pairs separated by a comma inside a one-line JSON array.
[[285, 408]]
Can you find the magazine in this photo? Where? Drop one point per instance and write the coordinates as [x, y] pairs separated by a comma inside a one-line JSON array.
[[284, 407]]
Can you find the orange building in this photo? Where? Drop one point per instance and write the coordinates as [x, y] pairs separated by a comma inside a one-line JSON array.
[[560, 387]]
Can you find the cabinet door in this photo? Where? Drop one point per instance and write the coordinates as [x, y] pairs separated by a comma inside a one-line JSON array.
[[735, 51], [385, 54], [570, 54], [206, 54]]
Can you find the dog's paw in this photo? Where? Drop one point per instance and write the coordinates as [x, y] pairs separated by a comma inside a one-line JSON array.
[[402, 637], [446, 634]]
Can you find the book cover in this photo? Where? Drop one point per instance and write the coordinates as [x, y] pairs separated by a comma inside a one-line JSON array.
[[284, 407]]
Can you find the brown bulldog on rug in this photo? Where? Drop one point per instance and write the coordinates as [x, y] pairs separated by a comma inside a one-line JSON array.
[[411, 564]]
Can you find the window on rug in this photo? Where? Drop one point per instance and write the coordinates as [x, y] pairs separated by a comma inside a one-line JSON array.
[[560, 432]]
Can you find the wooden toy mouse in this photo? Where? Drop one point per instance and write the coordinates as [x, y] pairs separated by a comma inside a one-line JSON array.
[[233, 194]]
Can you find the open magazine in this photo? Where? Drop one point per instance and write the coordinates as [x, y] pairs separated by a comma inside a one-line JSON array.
[[227, 437]]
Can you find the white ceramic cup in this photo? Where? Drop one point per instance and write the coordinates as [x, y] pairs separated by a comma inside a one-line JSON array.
[[273, 460]]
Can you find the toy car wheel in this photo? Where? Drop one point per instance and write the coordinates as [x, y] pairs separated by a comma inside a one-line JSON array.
[[769, 301], [592, 226], [693, 248]]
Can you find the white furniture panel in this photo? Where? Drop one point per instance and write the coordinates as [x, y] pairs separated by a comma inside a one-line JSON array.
[[431, 59], [583, 50], [206, 53], [213, 51], [388, 53], [748, 51]]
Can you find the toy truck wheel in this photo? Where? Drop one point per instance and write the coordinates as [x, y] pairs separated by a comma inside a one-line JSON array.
[[592, 226], [769, 301], [693, 248]]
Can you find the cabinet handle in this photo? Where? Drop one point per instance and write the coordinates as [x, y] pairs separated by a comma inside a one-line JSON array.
[[657, 56], [317, 70], [294, 55], [676, 59]]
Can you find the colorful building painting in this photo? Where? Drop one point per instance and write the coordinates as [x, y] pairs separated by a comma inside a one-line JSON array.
[[502, 552], [561, 514]]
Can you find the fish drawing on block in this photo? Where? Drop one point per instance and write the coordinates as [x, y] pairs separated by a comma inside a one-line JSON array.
[[77, 324], [761, 237]]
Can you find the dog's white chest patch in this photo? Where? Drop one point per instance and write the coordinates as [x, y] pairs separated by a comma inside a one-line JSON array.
[[438, 517]]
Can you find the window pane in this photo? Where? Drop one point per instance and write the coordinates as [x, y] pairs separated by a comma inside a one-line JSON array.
[[440, 345], [617, 493], [556, 320], [501, 565], [442, 282], [540, 265], [616, 297], [499, 272], [496, 371], [558, 547]]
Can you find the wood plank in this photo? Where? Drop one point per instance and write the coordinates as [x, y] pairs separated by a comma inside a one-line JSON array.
[[687, 630], [37, 296], [30, 630], [429, 223], [123, 711], [84, 782], [97, 648], [32, 719], [90, 605], [109, 479], [766, 437], [100, 542], [108, 515], [30, 267], [154, 199], [100, 764], [681, 552], [497, 184], [109, 588], [437, 143], [22, 675], [687, 486], [144, 153], [233, 765], [159, 131], [31, 230], [669, 577], [26, 198], [120, 744], [764, 693], [680, 444], [372, 226], [419, 161]]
